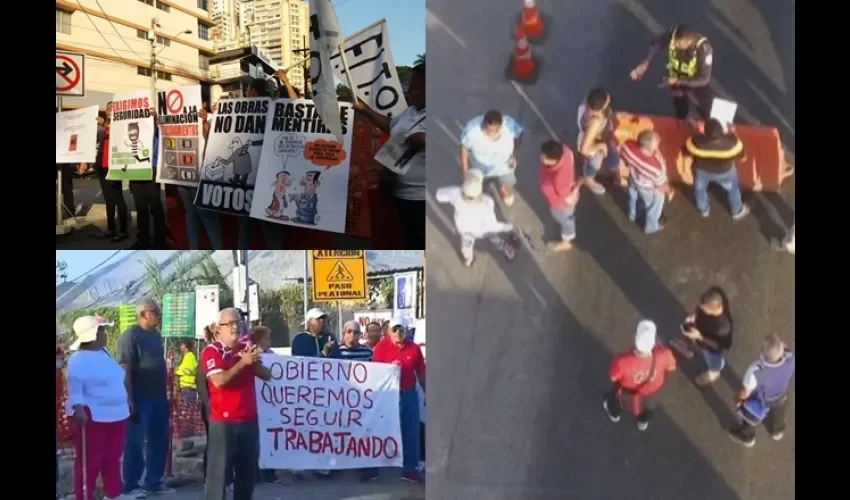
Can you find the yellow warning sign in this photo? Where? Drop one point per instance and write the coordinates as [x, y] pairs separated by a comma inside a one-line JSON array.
[[338, 275]]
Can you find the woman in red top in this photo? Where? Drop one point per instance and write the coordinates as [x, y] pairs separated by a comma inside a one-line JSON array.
[[113, 191], [639, 373]]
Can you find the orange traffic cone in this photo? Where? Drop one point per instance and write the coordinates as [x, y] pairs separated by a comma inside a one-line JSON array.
[[523, 66], [531, 24]]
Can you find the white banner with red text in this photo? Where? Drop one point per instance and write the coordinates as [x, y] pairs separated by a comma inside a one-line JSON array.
[[323, 414]]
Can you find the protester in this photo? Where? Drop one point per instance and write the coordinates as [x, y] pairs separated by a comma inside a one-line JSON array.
[[233, 430], [689, 62], [475, 217], [710, 327], [316, 342], [639, 374], [715, 153], [647, 179], [596, 141], [261, 336], [373, 334], [408, 189], [285, 90], [99, 407], [204, 406], [113, 191], [489, 144], [556, 179], [147, 196], [397, 349], [186, 372], [765, 393], [141, 354], [351, 348], [385, 328], [197, 217]]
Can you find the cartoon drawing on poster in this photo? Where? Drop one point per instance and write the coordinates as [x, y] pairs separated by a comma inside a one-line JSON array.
[[303, 174], [181, 141], [230, 164], [131, 138]]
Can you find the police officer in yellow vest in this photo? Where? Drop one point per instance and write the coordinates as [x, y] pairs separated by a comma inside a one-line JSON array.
[[689, 62]]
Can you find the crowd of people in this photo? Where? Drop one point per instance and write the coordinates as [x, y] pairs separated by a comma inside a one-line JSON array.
[[408, 190], [119, 406]]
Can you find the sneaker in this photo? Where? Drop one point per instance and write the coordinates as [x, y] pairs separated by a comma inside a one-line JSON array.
[[745, 210], [509, 200], [559, 246], [642, 426], [594, 186], [778, 436], [468, 262], [412, 477], [707, 378], [705, 214], [137, 493], [735, 434], [614, 418]]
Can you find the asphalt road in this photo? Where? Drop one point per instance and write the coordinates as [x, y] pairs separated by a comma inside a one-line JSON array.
[[517, 375]]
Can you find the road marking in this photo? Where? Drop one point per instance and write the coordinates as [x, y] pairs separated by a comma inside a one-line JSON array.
[[431, 21]]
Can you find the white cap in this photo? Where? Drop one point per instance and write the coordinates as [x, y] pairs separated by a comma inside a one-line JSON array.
[[473, 184], [314, 313], [645, 336], [398, 321], [85, 329]]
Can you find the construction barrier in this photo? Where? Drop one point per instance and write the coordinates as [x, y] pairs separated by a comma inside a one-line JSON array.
[[361, 219], [763, 168]]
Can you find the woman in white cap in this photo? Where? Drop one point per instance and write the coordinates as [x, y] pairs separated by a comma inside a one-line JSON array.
[[639, 373], [99, 407], [475, 217]]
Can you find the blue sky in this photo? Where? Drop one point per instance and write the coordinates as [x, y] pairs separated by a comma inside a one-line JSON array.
[[405, 22], [80, 261]]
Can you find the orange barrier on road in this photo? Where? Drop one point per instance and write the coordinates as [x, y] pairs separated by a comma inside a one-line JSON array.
[[530, 25], [522, 62], [762, 169]]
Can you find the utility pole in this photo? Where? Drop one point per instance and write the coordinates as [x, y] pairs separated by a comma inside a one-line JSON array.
[[240, 285], [152, 39], [303, 54]]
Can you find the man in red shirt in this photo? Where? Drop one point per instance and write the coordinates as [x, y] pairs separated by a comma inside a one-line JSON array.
[[397, 349], [557, 183], [639, 373], [647, 179], [230, 367]]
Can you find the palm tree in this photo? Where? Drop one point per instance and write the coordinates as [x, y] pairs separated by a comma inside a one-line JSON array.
[[190, 270], [420, 59]]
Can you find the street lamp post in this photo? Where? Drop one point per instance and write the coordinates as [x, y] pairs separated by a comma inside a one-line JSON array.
[[153, 53]]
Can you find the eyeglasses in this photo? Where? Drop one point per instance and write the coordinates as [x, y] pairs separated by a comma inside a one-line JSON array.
[[229, 324]]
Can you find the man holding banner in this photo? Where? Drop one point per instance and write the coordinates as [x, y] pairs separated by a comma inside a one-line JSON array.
[[397, 349]]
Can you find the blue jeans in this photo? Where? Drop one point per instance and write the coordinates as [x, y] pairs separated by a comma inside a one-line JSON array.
[[195, 217], [714, 362], [146, 447], [727, 180], [566, 218], [653, 205], [506, 180], [592, 164]]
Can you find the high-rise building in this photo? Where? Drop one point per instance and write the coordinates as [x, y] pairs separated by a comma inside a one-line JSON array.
[[114, 37], [223, 13]]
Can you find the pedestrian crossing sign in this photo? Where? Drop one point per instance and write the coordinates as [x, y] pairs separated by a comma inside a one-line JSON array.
[[338, 275]]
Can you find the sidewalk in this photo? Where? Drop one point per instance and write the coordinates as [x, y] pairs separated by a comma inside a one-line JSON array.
[[91, 219]]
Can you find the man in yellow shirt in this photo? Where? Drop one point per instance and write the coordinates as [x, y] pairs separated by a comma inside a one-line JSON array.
[[185, 372]]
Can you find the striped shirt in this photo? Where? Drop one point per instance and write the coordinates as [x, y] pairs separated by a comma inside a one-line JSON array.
[[356, 353], [648, 172]]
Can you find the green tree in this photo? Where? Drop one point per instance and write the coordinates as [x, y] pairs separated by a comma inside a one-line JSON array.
[[343, 93], [190, 270], [420, 59], [403, 73]]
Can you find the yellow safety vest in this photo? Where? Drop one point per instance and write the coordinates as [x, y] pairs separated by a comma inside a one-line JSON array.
[[677, 68]]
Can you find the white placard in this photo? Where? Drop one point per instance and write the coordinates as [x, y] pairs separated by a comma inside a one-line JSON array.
[[724, 111], [404, 300], [206, 307], [76, 136], [131, 137], [328, 414], [181, 141], [366, 317]]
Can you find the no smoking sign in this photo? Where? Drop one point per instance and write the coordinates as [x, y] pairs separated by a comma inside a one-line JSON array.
[[174, 102], [70, 80]]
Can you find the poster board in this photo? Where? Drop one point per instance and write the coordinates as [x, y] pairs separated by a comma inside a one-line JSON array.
[[76, 135], [181, 141], [131, 137]]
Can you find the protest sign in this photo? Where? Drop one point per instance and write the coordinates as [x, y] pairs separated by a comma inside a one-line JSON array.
[[325, 37], [76, 135], [233, 153], [181, 140], [303, 176], [131, 137], [318, 413], [370, 61]]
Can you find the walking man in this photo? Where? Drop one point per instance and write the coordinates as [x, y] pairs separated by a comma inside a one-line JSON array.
[[557, 183], [764, 395], [233, 437], [141, 354], [715, 153], [489, 144], [639, 373], [647, 179]]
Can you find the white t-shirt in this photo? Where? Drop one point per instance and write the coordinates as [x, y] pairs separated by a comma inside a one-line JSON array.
[[492, 158], [410, 186], [96, 380], [474, 218]]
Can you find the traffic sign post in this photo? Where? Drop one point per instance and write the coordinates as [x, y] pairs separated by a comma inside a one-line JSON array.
[[338, 275], [70, 74]]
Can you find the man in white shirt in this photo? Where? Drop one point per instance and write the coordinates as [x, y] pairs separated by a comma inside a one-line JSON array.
[[488, 144], [475, 217]]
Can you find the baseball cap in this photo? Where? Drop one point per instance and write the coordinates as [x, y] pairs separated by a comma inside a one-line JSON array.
[[398, 321], [85, 329], [473, 184], [314, 313], [645, 336]]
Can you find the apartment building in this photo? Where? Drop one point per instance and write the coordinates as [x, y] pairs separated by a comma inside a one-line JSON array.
[[278, 28], [114, 37], [224, 14]]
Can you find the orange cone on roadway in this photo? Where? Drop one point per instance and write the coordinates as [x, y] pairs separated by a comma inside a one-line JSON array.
[[531, 24], [523, 66]]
